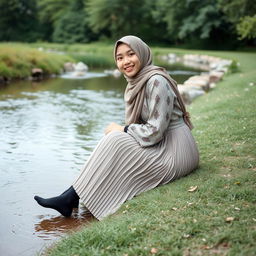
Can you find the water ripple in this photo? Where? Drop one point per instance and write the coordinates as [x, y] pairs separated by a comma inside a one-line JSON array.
[[48, 130]]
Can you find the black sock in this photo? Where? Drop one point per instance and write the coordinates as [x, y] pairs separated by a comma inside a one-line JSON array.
[[76, 201], [64, 203]]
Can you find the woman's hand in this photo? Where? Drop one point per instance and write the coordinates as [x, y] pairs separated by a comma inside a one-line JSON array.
[[113, 127]]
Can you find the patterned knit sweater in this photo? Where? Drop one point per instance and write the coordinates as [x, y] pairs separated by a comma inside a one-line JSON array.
[[160, 113]]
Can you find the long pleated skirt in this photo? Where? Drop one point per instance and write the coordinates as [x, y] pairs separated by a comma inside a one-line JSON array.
[[119, 168]]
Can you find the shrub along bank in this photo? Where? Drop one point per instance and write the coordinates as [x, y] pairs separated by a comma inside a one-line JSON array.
[[210, 212], [19, 61]]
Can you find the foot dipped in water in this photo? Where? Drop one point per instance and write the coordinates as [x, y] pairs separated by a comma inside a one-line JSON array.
[[63, 203], [76, 201]]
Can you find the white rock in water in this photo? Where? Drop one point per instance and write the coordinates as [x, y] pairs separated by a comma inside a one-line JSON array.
[[69, 67], [80, 66], [172, 56], [116, 73]]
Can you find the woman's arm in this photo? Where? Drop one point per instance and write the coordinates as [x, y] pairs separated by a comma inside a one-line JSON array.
[[113, 127]]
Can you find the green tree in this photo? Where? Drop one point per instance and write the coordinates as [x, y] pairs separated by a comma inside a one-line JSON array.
[[50, 12], [171, 14], [241, 14], [18, 20], [114, 18], [73, 26], [246, 28], [194, 22], [236, 9], [203, 17]]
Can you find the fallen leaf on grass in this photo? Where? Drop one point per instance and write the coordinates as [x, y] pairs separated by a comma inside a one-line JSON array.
[[205, 247], [186, 252], [193, 188], [153, 250], [174, 208], [230, 219], [218, 249]]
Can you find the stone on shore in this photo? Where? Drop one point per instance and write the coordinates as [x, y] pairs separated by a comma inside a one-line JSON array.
[[189, 92], [197, 85], [37, 74], [202, 82], [215, 76]]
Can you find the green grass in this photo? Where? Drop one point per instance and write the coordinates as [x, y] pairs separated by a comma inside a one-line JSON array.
[[177, 222], [17, 60], [95, 55]]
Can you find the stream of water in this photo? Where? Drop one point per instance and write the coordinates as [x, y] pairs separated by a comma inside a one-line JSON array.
[[48, 130]]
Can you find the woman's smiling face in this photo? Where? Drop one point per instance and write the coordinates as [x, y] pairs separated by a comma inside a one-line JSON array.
[[127, 61]]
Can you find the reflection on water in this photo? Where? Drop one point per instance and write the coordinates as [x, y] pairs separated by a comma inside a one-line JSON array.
[[48, 130], [52, 225], [79, 75]]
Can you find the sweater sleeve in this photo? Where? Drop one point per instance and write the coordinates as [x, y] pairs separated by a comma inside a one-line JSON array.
[[157, 107]]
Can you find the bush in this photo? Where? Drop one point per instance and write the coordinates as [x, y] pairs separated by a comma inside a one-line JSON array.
[[17, 61], [247, 27]]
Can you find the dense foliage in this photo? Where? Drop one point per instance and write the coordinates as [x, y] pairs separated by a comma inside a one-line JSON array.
[[196, 23]]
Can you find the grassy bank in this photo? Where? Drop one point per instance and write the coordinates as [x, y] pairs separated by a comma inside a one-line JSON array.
[[95, 55], [17, 61], [218, 218]]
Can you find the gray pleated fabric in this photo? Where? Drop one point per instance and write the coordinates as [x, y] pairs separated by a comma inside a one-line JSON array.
[[119, 168]]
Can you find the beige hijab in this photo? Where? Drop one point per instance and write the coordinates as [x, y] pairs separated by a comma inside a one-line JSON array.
[[135, 90]]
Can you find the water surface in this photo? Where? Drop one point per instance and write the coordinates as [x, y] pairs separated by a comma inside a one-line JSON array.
[[48, 130]]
